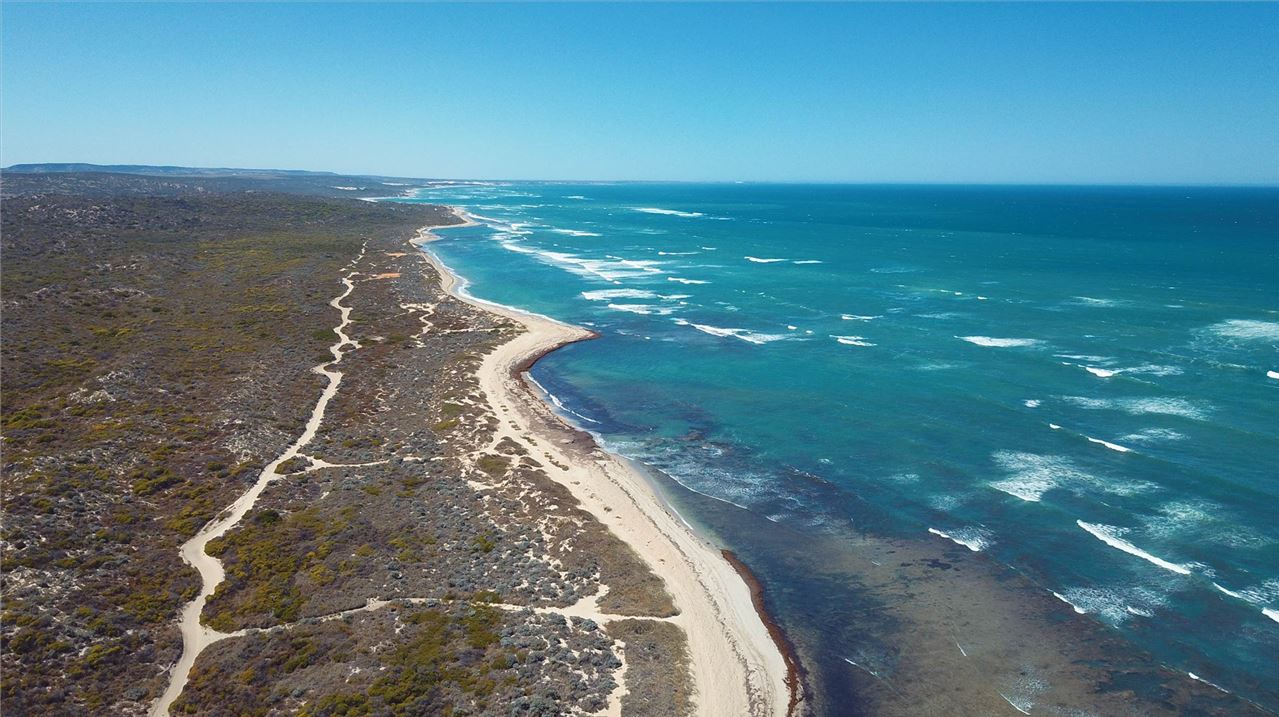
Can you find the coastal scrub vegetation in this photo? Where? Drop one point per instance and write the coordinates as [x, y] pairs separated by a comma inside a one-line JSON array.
[[157, 346]]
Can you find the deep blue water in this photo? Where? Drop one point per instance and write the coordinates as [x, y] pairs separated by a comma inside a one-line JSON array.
[[1073, 381]]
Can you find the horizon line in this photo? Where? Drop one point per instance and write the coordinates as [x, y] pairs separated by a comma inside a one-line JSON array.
[[109, 169]]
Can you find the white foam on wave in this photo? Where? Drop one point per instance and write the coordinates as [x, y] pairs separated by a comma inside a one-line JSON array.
[[1193, 676], [743, 334], [1273, 374], [1085, 357], [858, 317], [1140, 406], [1090, 301], [1149, 435], [669, 212], [1115, 604], [606, 294], [1108, 444], [611, 269], [1259, 595], [1154, 370], [1110, 535], [559, 404], [681, 280], [678, 253], [1066, 600], [1231, 593], [1032, 403], [575, 233], [1204, 521], [853, 340], [1272, 614], [1146, 369], [1030, 475], [1247, 329], [808, 261], [1022, 689], [1021, 706], [975, 539], [645, 309], [575, 196], [999, 343], [758, 260]]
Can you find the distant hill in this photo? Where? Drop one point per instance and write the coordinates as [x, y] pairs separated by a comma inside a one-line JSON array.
[[46, 167], [106, 180]]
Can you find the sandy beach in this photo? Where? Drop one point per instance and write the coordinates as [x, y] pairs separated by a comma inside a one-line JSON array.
[[738, 668]]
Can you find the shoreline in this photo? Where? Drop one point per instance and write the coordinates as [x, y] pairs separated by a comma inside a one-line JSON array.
[[738, 658]]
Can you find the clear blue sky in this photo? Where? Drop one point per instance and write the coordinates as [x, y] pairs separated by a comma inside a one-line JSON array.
[[1032, 92]]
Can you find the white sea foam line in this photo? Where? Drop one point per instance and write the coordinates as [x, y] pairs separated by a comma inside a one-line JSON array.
[[1193, 676], [1032, 403], [809, 261], [1089, 301], [1085, 357], [605, 294], [682, 280], [858, 317], [555, 399], [1247, 329], [1231, 593], [463, 287], [1256, 596], [670, 212], [997, 342], [758, 260], [1073, 606], [645, 309], [610, 269], [1146, 369], [1014, 704], [853, 340], [1033, 474], [1110, 536], [743, 334], [1108, 444], [974, 544], [1138, 406], [575, 232], [1273, 374]]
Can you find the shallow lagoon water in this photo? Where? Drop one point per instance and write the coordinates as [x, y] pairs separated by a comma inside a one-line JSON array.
[[1071, 382]]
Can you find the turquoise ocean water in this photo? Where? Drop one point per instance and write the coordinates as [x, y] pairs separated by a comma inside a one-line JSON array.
[[1080, 383]]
